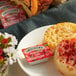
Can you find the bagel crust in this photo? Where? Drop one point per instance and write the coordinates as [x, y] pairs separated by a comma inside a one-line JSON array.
[[65, 57], [57, 32]]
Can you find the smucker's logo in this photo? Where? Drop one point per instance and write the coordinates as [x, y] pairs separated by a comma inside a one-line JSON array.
[[3, 7], [10, 11], [38, 48]]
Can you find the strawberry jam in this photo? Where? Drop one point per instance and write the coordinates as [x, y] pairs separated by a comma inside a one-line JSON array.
[[37, 54], [67, 51]]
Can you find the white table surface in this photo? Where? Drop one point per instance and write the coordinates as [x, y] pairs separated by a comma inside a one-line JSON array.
[[15, 70]]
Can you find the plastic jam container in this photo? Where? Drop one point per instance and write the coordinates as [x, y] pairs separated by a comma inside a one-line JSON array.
[[37, 54]]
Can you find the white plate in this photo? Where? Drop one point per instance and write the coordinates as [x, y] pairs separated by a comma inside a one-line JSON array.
[[43, 69]]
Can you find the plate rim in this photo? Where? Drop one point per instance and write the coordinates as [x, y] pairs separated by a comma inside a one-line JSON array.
[[18, 60]]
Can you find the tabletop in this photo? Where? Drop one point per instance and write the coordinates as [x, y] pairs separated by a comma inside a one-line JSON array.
[[15, 70]]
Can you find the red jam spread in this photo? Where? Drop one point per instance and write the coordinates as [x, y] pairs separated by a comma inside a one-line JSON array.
[[67, 51], [37, 52]]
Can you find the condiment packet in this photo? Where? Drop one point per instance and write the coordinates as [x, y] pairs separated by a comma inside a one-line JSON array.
[[3, 6], [37, 54], [12, 16]]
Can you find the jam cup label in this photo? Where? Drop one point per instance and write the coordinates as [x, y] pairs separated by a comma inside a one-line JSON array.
[[12, 16], [37, 53]]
